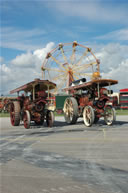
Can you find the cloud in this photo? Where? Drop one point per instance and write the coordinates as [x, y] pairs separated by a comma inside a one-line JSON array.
[[112, 55], [1, 59], [23, 68], [4, 69], [119, 73], [114, 63], [27, 60], [27, 67], [7, 76], [94, 10], [32, 59], [20, 39], [41, 53], [12, 77], [117, 35]]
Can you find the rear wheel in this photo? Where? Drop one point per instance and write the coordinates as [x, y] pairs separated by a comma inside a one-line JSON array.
[[110, 115], [70, 110], [50, 118], [89, 116], [26, 119], [15, 113]]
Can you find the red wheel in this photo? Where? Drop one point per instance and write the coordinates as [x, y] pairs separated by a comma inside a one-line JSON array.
[[15, 113], [50, 118], [26, 119]]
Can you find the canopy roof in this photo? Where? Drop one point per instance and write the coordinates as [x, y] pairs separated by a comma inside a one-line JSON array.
[[44, 85], [93, 84]]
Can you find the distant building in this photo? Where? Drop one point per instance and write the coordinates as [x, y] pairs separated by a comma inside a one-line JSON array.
[[124, 98]]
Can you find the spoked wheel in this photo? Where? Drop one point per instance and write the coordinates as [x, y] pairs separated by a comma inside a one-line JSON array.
[[50, 118], [15, 113], [110, 115], [26, 119], [70, 110], [89, 116]]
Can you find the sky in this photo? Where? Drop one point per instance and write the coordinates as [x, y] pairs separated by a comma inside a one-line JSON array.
[[31, 28]]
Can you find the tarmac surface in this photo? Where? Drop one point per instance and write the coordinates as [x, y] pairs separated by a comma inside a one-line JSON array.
[[64, 158]]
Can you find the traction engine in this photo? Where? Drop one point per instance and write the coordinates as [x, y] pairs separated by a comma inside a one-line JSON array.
[[36, 107], [89, 100]]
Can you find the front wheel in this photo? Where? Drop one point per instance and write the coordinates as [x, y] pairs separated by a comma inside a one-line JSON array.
[[70, 110], [89, 116], [50, 118], [110, 115], [26, 119]]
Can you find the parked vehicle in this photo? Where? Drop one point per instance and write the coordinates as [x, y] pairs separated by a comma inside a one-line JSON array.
[[89, 100], [34, 104]]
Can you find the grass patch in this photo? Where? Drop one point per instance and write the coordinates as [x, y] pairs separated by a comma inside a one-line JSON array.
[[58, 115], [4, 115], [121, 112], [8, 115], [118, 112]]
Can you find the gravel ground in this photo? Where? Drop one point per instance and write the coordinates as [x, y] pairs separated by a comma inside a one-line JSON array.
[[64, 158]]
